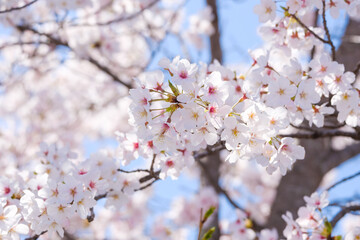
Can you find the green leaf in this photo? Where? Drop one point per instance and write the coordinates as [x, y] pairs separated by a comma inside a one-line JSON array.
[[208, 234], [208, 213], [174, 89], [171, 108], [328, 229]]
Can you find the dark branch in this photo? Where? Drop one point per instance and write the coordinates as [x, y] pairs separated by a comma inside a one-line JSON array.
[[147, 185], [149, 177], [357, 69], [133, 171], [36, 236], [59, 42], [91, 217], [335, 158], [343, 212], [18, 8], [308, 29], [322, 134], [329, 41], [121, 19], [68, 236], [98, 197], [343, 180], [217, 186], [216, 51], [109, 72]]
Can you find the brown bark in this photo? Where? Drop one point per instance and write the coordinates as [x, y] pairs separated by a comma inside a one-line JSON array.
[[320, 158], [216, 51], [212, 164], [213, 161], [349, 51]]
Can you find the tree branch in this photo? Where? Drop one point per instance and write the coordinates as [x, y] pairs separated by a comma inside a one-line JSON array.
[[357, 69], [343, 180], [335, 158], [216, 51], [308, 29], [91, 217], [18, 8], [343, 212], [322, 134], [120, 19], [36, 236], [329, 41], [59, 42], [217, 187]]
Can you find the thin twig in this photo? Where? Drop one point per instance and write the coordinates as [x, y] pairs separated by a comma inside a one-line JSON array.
[[357, 69], [68, 236], [91, 217], [22, 43], [343, 212], [98, 197], [18, 8], [149, 177], [36, 236], [133, 171], [147, 185], [120, 19], [152, 163], [321, 134], [308, 29], [343, 180], [217, 186], [59, 42], [315, 24], [329, 41]]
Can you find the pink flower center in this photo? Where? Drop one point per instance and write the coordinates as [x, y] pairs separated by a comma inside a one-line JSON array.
[[212, 90], [183, 75], [82, 172], [136, 146], [144, 101], [274, 30], [212, 110], [169, 163], [92, 184], [7, 190], [285, 148], [158, 87], [165, 127]]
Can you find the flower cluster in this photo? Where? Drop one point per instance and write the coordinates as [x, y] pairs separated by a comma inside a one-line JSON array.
[[196, 109], [184, 213], [241, 228], [311, 223], [47, 198], [267, 8]]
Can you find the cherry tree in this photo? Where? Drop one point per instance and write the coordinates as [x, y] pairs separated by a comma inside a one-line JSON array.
[[263, 136]]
